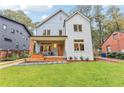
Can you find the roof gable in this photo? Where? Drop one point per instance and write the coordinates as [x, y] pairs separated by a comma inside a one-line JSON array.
[[48, 18], [76, 14], [16, 23], [110, 37]]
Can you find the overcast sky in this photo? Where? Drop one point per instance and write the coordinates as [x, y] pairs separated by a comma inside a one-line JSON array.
[[38, 13]]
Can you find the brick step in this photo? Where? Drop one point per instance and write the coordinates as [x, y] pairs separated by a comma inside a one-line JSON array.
[[37, 56]]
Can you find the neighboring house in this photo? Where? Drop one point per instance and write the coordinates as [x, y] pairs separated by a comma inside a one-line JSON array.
[[13, 35], [114, 43], [63, 35]]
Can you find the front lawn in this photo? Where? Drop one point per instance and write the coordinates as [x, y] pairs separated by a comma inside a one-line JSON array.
[[73, 74]]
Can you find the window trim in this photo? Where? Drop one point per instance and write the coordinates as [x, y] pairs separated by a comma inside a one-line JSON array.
[[79, 42], [77, 27], [60, 34]]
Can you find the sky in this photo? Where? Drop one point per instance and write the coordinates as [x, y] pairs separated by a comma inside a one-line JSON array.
[[39, 12]]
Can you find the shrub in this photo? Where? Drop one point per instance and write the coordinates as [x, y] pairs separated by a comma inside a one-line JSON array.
[[75, 58], [12, 57], [87, 59], [70, 58], [24, 55], [117, 55], [81, 58]]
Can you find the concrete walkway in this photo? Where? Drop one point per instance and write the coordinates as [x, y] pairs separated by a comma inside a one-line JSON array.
[[11, 63]]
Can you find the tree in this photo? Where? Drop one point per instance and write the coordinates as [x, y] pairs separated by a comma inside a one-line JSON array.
[[114, 17], [84, 9], [19, 16]]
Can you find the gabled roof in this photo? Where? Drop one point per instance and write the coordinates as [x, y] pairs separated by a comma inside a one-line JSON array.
[[16, 23], [110, 36], [79, 14], [48, 18]]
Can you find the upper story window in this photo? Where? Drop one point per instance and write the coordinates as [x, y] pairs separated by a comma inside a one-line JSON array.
[[77, 27], [13, 31], [115, 36], [60, 32], [7, 39], [46, 32], [17, 45], [79, 45], [4, 27], [17, 31]]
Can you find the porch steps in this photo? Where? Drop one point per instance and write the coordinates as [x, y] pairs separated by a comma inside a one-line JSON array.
[[41, 58]]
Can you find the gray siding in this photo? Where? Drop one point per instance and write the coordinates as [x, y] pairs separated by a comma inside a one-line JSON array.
[[15, 37]]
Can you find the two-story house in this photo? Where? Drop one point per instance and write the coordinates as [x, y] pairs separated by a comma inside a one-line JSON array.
[[63, 35], [13, 35]]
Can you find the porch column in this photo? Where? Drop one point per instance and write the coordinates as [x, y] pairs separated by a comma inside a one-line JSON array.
[[31, 47]]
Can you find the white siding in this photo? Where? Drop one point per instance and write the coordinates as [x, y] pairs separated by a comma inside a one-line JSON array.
[[54, 25], [85, 34]]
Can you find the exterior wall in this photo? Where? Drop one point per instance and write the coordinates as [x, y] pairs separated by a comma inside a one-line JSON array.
[[115, 44], [85, 34], [54, 25], [16, 37]]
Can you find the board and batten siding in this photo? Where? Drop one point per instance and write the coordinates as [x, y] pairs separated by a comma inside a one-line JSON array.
[[54, 25], [72, 35], [15, 37]]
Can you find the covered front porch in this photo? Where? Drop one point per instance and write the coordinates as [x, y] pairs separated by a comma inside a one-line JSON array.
[[50, 47]]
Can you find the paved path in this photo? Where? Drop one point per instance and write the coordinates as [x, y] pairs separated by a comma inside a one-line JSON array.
[[11, 63]]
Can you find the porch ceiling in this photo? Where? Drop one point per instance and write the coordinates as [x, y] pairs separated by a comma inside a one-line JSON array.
[[48, 38]]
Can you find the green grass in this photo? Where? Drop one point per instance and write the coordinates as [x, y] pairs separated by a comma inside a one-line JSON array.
[[59, 75]]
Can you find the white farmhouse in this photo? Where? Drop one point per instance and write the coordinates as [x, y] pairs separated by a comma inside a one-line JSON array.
[[65, 36]]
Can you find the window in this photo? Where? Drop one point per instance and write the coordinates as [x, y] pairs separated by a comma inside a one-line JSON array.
[[13, 31], [46, 32], [60, 32], [24, 46], [4, 27], [108, 48], [75, 27], [7, 39], [78, 28], [115, 36], [17, 45], [23, 37], [21, 33], [17, 31], [79, 45]]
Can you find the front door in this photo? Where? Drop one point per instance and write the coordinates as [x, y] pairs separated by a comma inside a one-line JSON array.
[[60, 49]]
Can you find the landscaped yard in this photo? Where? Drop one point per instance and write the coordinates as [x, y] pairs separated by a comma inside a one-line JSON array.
[[73, 74]]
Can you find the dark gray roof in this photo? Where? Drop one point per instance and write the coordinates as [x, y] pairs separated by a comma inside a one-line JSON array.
[[16, 23]]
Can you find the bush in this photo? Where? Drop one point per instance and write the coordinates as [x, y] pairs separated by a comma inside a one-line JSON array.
[[12, 57], [70, 58], [87, 59], [24, 55], [75, 58], [117, 55], [81, 58]]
